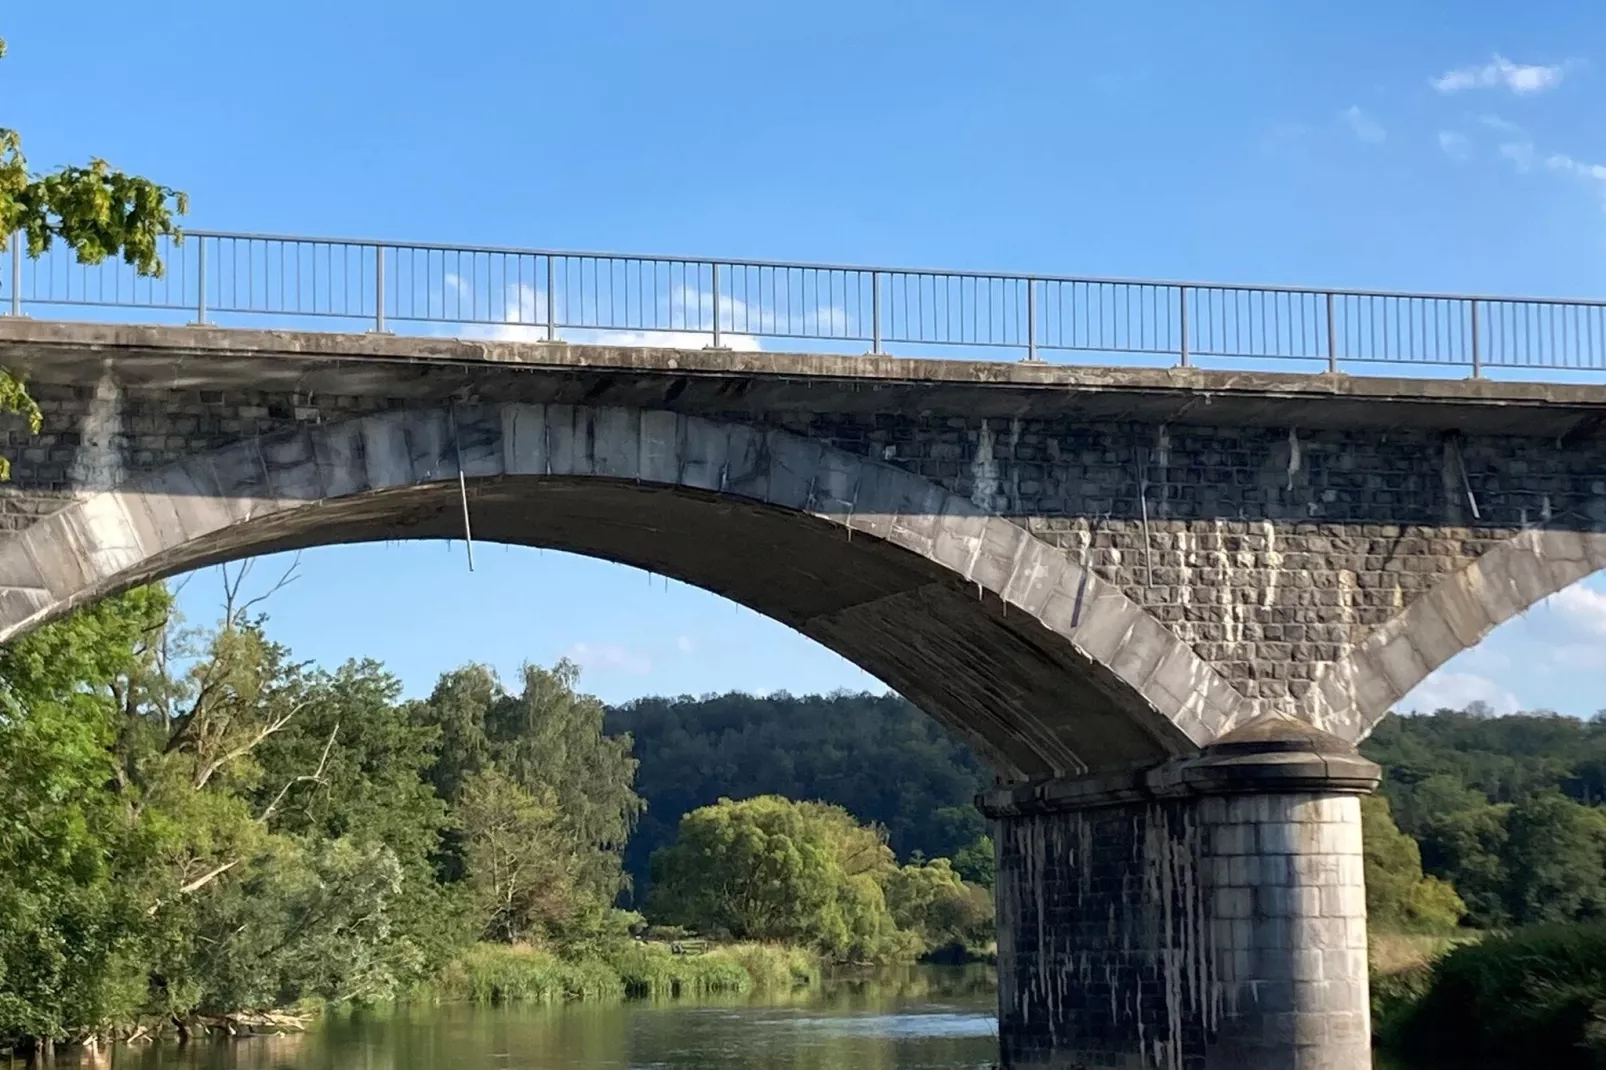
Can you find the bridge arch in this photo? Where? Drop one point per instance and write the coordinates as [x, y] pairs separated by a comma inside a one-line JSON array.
[[1043, 667], [1455, 614]]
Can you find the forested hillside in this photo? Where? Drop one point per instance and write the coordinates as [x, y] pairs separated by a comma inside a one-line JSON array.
[[874, 755], [1510, 810]]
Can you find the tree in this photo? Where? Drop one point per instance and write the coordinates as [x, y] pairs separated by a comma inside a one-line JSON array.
[[96, 210], [67, 921], [877, 756], [1399, 897], [550, 740], [1557, 860], [519, 861], [977, 862], [931, 900], [768, 868]]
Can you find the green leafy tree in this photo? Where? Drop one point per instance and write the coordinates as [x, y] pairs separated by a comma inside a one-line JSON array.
[[977, 862], [931, 900], [520, 863], [67, 923], [768, 868], [1399, 897], [1556, 859], [877, 756], [96, 210], [550, 739]]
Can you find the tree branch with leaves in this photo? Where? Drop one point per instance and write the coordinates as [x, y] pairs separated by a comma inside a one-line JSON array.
[[97, 211]]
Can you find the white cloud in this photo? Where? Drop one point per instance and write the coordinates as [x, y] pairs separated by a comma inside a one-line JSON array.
[[1505, 126], [609, 657], [1364, 126], [1520, 153], [1456, 691], [1456, 146], [1593, 173], [1585, 607], [524, 312], [686, 644], [1520, 78]]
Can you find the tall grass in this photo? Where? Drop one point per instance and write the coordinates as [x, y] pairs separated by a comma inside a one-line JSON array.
[[1536, 997], [652, 971], [498, 973], [774, 967]]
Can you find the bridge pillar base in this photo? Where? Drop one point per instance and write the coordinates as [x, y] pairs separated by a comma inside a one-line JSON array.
[[1204, 915]]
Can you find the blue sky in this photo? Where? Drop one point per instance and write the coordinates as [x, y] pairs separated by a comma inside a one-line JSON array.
[[1375, 145]]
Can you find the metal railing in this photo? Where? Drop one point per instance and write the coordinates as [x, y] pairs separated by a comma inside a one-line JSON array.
[[542, 294]]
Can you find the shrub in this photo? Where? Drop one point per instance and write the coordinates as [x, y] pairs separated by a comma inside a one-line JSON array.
[[1535, 996]]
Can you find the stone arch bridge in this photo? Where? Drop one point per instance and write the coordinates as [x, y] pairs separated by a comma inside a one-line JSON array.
[[1163, 604]]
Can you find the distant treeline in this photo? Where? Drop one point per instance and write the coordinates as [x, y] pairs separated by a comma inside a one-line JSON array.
[[876, 756], [1510, 810]]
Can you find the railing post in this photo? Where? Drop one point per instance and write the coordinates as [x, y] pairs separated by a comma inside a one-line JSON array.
[[1477, 350], [1182, 309], [875, 312], [1332, 337], [1031, 319], [715, 268], [551, 302], [379, 289], [16, 273], [200, 282]]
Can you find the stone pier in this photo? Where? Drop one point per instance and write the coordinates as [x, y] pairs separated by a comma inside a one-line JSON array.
[[1203, 915]]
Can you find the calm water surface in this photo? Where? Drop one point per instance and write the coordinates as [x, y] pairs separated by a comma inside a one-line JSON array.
[[922, 1018]]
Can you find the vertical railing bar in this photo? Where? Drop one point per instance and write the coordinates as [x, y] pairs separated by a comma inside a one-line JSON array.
[[1182, 319], [1332, 337], [875, 312], [200, 282], [379, 289], [715, 269], [1031, 320], [1477, 354], [16, 273], [551, 302]]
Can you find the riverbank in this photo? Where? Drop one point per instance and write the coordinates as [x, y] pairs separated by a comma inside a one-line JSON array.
[[1534, 997]]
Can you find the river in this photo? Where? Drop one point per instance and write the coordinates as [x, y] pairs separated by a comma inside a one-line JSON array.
[[913, 1018], [919, 1018]]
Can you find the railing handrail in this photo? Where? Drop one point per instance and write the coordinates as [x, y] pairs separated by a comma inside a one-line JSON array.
[[867, 269]]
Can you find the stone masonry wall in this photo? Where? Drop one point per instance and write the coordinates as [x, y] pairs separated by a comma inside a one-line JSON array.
[[1228, 931], [1272, 552]]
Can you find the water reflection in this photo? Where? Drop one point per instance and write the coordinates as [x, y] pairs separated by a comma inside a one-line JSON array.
[[920, 1018]]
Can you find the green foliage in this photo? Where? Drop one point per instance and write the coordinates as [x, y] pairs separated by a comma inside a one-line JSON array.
[[1508, 810], [770, 869], [549, 739], [1398, 896], [876, 756], [503, 973], [931, 900], [1555, 859], [1535, 997], [96, 210], [516, 857], [654, 971], [499, 973]]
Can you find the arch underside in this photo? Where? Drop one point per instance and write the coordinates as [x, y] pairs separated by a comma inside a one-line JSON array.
[[1042, 667]]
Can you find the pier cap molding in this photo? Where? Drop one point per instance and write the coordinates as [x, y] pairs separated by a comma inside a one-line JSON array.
[[1270, 755]]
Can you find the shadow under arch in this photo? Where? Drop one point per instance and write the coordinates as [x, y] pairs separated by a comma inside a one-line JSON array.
[[1041, 666]]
